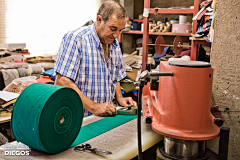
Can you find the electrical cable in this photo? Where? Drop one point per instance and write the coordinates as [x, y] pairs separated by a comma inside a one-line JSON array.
[[140, 154]]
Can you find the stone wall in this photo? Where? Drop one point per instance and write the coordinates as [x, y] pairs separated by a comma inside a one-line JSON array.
[[225, 59]]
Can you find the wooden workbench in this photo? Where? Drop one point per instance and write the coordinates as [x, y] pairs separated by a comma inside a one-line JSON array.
[[121, 141]]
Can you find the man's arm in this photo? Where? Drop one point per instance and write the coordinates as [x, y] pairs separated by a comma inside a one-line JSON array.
[[103, 109], [121, 100]]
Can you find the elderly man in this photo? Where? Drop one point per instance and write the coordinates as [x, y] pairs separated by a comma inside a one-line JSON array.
[[90, 61]]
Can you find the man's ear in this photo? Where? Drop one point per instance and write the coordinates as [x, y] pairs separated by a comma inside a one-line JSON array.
[[99, 20]]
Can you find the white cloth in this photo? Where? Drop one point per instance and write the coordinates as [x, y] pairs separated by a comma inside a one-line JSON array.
[[9, 75]]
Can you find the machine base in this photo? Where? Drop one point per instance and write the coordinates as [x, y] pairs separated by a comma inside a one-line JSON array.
[[184, 148], [161, 155]]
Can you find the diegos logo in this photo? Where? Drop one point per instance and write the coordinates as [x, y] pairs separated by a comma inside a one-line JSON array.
[[16, 149]]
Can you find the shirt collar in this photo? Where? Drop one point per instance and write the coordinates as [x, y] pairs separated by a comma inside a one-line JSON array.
[[97, 40]]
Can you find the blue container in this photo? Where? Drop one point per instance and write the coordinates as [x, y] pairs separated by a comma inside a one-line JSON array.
[[136, 25]]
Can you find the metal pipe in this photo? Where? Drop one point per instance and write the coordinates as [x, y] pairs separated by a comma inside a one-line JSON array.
[[184, 46], [166, 45], [151, 74], [145, 74], [169, 45], [140, 154]]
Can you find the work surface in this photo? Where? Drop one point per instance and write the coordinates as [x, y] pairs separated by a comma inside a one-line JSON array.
[[121, 141]]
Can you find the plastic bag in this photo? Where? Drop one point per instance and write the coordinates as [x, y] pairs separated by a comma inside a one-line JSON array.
[[46, 65], [19, 84], [13, 65]]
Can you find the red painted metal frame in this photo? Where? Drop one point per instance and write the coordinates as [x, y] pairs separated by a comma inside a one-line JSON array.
[[194, 47], [145, 36], [196, 10]]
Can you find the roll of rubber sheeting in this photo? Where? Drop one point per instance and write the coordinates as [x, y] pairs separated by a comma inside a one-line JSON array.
[[47, 117]]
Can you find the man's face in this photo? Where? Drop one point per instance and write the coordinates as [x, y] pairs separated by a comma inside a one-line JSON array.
[[111, 29]]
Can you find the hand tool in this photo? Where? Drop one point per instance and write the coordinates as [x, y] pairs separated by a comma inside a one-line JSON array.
[[129, 110], [87, 146]]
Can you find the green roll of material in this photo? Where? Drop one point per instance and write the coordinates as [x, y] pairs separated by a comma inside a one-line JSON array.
[[47, 117]]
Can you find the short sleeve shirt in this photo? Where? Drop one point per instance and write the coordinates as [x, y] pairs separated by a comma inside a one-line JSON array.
[[81, 58]]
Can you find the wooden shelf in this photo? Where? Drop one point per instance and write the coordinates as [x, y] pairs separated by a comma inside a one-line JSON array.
[[158, 33], [171, 11]]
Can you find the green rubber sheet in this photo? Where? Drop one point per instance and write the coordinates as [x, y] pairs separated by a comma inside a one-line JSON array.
[[49, 118], [101, 126]]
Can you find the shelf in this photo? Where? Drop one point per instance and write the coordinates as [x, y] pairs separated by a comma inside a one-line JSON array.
[[196, 39], [158, 33], [155, 11], [171, 11]]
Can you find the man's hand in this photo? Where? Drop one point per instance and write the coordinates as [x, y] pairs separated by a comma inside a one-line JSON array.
[[104, 109], [125, 101]]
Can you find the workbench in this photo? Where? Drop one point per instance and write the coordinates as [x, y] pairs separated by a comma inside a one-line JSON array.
[[121, 141]]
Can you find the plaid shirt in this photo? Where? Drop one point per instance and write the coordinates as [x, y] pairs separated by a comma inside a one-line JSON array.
[[81, 58]]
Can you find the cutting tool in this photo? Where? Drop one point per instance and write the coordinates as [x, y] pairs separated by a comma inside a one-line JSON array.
[[87, 146], [129, 110]]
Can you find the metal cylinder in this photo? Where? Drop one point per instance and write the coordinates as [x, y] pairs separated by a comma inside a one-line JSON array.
[[185, 149]]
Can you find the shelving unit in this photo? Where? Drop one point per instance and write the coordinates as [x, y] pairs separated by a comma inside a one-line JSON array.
[[164, 11], [155, 33]]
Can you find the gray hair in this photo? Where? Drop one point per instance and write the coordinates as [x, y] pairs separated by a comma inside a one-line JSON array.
[[111, 7]]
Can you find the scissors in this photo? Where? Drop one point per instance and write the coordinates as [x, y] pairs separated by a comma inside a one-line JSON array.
[[87, 146]]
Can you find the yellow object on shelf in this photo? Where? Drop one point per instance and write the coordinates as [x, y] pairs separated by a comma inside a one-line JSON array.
[[5, 114], [134, 53]]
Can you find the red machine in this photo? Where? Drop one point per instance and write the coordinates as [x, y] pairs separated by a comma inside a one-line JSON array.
[[177, 103]]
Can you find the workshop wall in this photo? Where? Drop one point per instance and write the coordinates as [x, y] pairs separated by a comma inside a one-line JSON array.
[[2, 23], [225, 60]]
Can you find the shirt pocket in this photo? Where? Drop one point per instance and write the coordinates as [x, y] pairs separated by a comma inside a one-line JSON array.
[[115, 72]]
